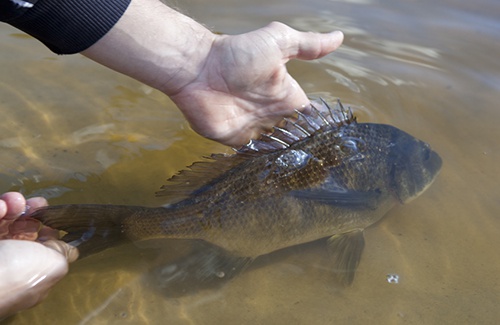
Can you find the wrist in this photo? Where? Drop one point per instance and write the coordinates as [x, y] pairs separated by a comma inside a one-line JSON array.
[[155, 45], [183, 63]]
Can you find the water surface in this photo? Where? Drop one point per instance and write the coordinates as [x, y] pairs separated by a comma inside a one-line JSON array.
[[76, 132]]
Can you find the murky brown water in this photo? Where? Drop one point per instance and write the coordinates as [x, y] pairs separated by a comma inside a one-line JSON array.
[[76, 132]]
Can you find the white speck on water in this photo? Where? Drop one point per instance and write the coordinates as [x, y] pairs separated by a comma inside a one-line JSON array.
[[393, 278]]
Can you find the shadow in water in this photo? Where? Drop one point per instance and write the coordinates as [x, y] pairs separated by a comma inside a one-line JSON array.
[[208, 267], [204, 267]]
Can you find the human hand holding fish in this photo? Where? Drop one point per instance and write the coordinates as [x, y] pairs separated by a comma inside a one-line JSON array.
[[245, 90], [24, 243]]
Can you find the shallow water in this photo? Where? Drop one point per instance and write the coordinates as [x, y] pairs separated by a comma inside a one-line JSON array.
[[76, 132]]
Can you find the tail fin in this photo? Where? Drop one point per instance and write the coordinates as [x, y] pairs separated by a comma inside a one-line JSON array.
[[90, 227]]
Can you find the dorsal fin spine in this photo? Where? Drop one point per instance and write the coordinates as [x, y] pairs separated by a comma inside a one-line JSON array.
[[308, 120], [270, 137], [330, 110], [325, 121], [346, 117], [287, 133], [301, 129]]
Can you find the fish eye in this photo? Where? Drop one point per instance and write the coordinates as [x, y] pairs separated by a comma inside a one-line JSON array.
[[352, 145]]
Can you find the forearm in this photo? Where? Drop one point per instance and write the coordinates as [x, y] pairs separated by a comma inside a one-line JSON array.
[[64, 26], [143, 39], [156, 45]]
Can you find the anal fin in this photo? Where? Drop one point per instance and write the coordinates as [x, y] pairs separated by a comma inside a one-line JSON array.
[[346, 250]]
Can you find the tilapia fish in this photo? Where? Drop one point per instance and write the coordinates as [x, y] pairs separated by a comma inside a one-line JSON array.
[[319, 175]]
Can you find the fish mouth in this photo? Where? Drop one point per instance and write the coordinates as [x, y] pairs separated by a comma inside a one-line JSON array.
[[413, 197], [432, 167]]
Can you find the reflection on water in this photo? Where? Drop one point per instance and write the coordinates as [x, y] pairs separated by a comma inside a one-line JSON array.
[[76, 132]]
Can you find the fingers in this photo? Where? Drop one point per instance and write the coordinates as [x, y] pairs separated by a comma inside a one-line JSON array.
[[35, 203], [69, 252], [3, 209], [25, 229], [13, 205], [304, 45]]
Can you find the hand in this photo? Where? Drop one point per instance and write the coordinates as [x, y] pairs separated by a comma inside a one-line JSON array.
[[244, 87], [29, 269], [12, 206], [230, 88]]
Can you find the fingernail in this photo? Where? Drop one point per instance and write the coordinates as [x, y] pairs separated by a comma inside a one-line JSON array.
[[26, 211]]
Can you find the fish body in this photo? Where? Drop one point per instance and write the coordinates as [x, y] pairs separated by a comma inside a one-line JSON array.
[[320, 175]]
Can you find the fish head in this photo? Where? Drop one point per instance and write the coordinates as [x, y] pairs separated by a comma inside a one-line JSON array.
[[413, 165], [365, 160]]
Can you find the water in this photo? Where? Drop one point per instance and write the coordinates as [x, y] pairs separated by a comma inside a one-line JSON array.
[[76, 132]]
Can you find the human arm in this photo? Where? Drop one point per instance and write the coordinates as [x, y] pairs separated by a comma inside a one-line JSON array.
[[230, 88]]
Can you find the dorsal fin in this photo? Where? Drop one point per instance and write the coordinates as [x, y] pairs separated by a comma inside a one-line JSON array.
[[197, 175], [320, 117], [290, 131]]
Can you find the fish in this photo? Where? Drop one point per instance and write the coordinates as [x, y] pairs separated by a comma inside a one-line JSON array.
[[320, 174]]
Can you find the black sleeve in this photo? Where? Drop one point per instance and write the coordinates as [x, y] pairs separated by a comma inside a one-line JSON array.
[[64, 26]]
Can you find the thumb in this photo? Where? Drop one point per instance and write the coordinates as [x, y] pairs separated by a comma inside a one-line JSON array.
[[304, 45], [28, 270], [68, 251], [312, 46]]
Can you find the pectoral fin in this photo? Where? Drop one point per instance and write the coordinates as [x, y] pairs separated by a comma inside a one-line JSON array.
[[346, 198], [346, 250]]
